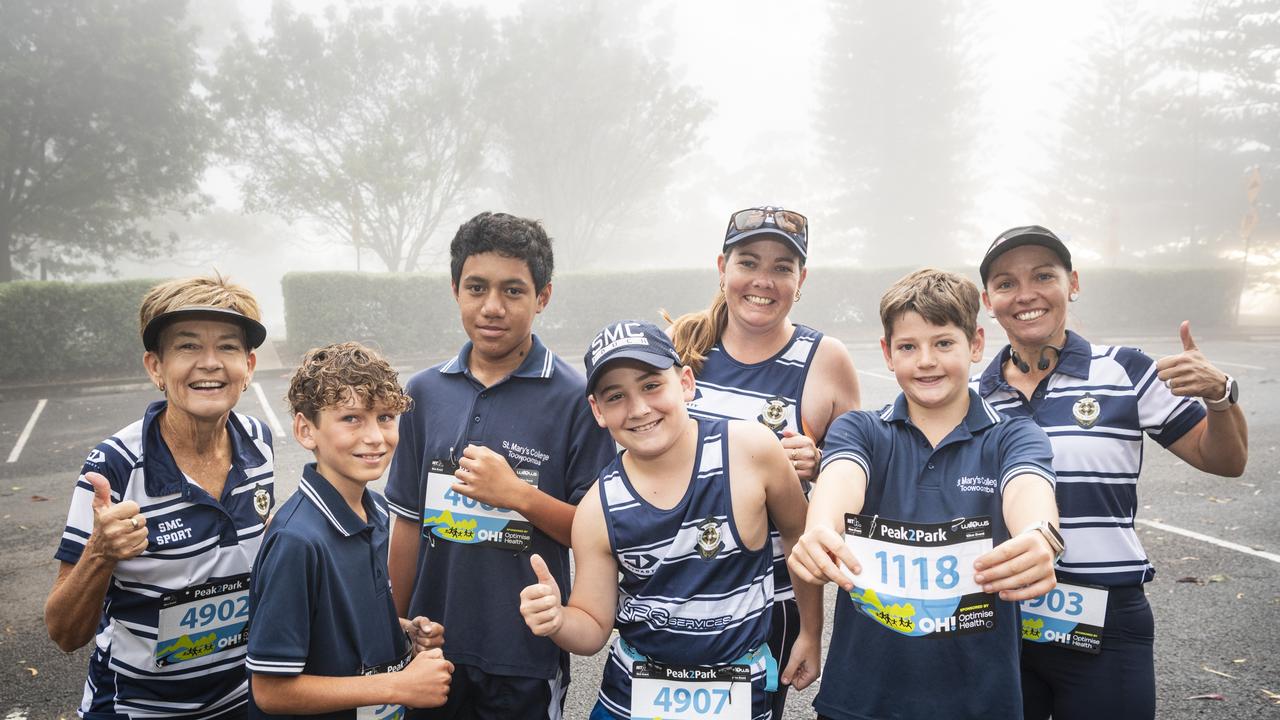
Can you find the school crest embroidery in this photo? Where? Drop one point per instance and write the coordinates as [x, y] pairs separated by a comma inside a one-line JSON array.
[[709, 543], [774, 414], [1086, 411], [262, 503]]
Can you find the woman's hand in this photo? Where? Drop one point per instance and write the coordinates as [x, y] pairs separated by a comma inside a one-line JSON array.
[[119, 531]]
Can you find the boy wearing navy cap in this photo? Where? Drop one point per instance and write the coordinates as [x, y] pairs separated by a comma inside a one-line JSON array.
[[912, 515], [673, 552], [325, 640], [497, 450]]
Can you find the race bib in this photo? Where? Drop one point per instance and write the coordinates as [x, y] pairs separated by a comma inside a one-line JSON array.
[[384, 712], [917, 579], [667, 692], [448, 515], [199, 621], [1068, 615]]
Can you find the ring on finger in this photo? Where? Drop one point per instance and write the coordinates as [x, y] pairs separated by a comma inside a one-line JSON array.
[[134, 521]]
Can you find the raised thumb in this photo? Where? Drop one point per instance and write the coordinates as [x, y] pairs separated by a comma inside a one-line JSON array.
[[101, 490], [540, 570], [789, 433], [1185, 331]]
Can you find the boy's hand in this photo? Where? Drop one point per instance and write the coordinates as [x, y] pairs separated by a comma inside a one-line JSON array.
[[426, 680], [813, 559], [119, 531], [1019, 568], [424, 633], [484, 475], [803, 454], [805, 664], [540, 603]]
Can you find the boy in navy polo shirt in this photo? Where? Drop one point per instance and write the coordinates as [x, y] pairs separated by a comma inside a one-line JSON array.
[[324, 638], [904, 516], [497, 450]]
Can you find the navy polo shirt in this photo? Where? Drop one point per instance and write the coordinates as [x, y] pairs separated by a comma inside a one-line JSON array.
[[874, 672], [320, 602], [1098, 455], [539, 420]]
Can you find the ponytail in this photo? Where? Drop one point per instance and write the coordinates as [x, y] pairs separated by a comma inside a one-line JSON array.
[[695, 333]]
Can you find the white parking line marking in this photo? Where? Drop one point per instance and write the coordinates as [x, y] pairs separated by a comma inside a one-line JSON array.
[[26, 431], [1212, 540], [17, 714], [879, 376], [1239, 365], [266, 410]]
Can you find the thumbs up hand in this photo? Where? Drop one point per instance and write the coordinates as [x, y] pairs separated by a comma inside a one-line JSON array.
[[540, 603], [1189, 373], [119, 531]]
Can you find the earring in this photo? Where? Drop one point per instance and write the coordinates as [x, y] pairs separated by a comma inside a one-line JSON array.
[[797, 296], [245, 388], [1073, 296], [991, 314], [160, 387]]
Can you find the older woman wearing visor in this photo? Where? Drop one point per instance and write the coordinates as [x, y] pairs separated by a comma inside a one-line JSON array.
[[166, 518], [1088, 644], [752, 362]]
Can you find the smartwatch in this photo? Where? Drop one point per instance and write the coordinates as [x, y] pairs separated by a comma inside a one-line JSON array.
[[1051, 535], [1229, 398]]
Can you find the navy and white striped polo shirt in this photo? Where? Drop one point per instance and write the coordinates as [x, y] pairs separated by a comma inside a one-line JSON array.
[[152, 658], [731, 390], [321, 600], [675, 606], [1098, 459]]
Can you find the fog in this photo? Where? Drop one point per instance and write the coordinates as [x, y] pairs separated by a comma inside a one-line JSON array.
[[909, 133]]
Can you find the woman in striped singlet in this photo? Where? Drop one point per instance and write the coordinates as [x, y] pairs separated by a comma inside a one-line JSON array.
[[752, 363], [1095, 402]]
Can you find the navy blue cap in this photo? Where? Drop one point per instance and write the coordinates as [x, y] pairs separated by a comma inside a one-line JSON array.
[[764, 221], [1019, 236], [254, 331], [632, 340]]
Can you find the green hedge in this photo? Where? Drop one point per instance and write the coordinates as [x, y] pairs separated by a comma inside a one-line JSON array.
[[415, 315], [59, 330]]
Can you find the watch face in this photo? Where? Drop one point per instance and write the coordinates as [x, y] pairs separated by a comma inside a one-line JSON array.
[[1233, 392]]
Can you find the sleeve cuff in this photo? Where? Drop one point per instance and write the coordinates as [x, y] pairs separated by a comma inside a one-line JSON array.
[[264, 666]]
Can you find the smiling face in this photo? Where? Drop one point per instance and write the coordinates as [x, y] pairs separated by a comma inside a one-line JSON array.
[[352, 443], [498, 302], [760, 281], [931, 362], [203, 366], [1028, 289], [643, 407]]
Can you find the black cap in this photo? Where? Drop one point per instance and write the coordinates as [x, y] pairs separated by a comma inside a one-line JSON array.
[[255, 333], [630, 339], [1019, 236]]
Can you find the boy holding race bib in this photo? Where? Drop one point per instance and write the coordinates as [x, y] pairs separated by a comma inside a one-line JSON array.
[[325, 640], [935, 516], [673, 552]]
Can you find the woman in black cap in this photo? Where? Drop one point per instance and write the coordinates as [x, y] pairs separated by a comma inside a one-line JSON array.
[[166, 518], [752, 363], [1088, 643]]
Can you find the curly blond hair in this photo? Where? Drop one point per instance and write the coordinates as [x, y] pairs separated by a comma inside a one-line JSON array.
[[331, 375]]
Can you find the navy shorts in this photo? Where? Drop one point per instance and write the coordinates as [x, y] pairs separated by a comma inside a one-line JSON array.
[[783, 631], [477, 695], [1118, 682]]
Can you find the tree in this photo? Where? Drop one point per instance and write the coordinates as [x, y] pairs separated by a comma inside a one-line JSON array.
[[375, 125], [896, 125], [99, 127], [592, 126]]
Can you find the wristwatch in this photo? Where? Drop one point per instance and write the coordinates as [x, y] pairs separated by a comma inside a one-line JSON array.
[[1229, 398], [1051, 535]]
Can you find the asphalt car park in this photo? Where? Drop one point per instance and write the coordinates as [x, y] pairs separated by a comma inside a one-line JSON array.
[[1216, 595]]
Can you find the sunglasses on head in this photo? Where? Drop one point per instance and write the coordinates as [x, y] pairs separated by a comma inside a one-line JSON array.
[[787, 221]]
